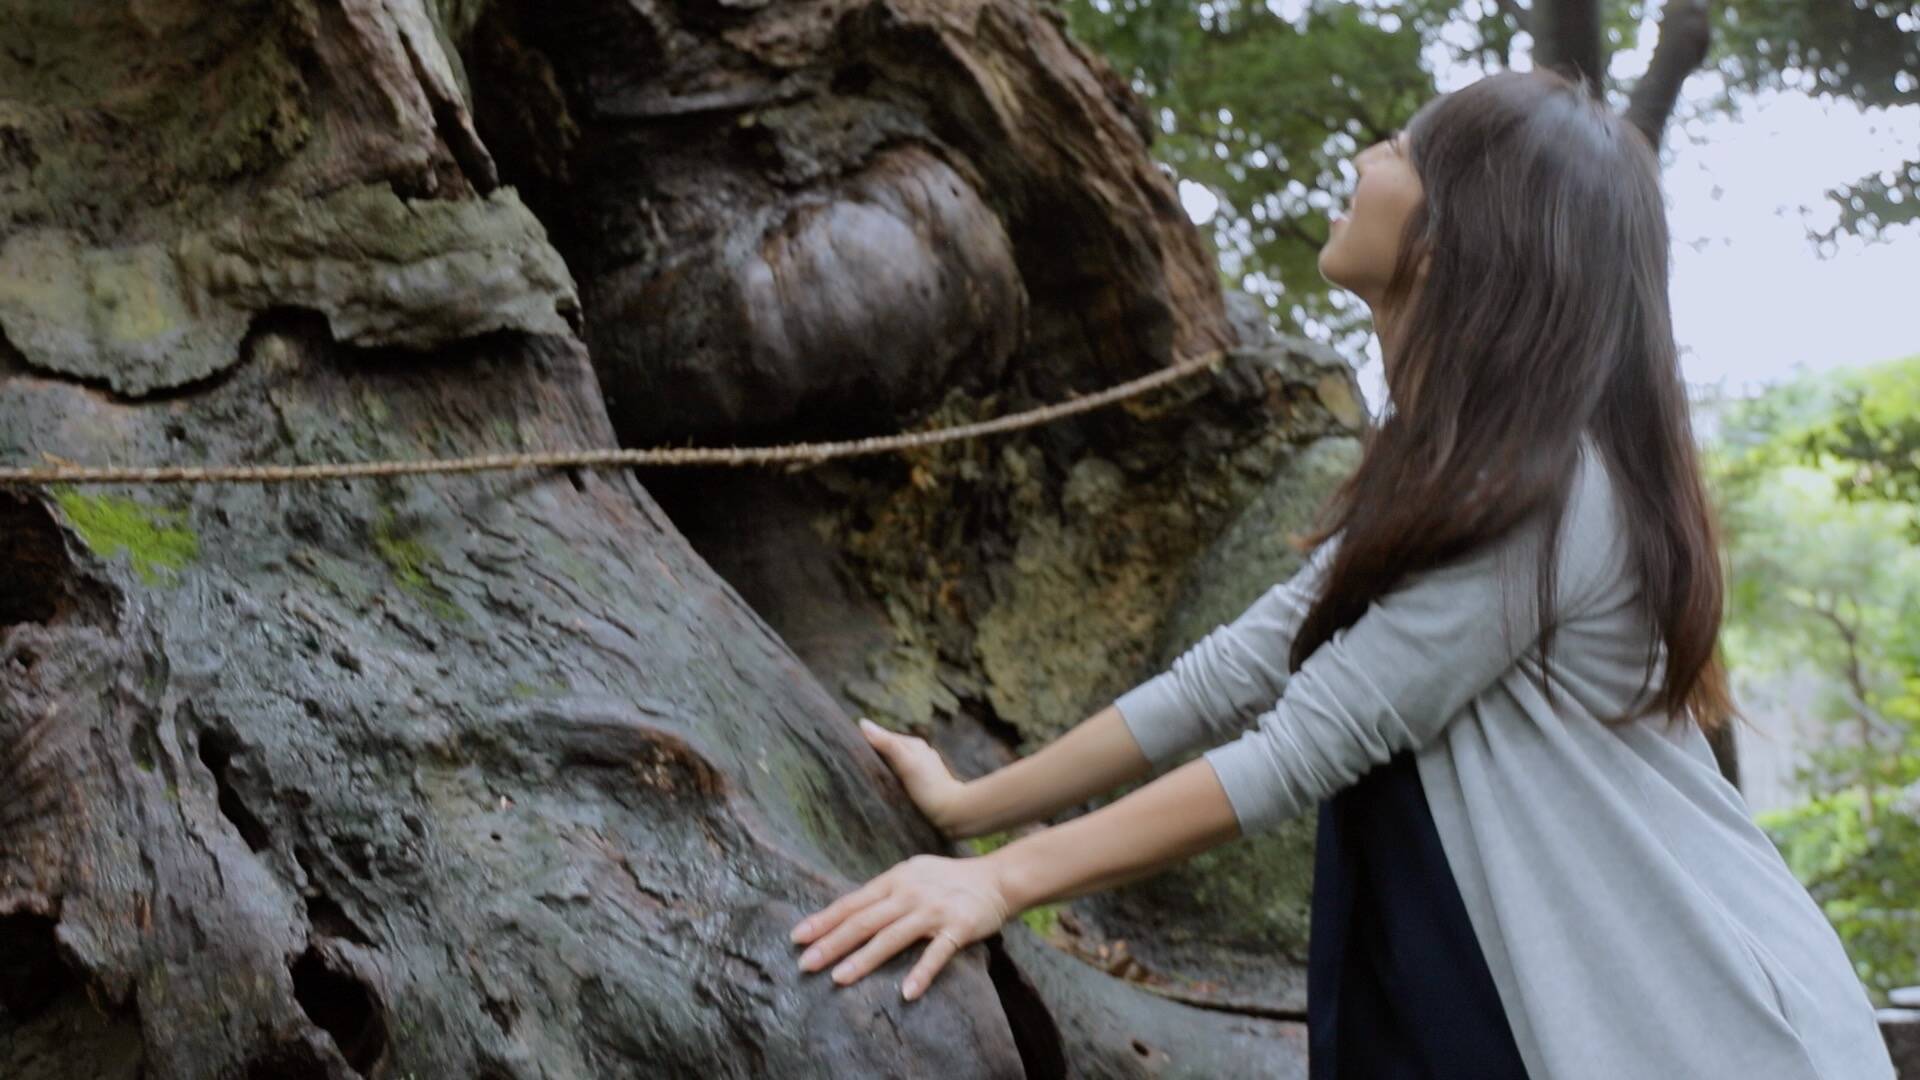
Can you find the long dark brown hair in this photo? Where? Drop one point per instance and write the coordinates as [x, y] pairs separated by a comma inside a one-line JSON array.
[[1542, 315]]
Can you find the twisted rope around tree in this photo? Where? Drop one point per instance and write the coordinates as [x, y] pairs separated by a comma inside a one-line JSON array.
[[810, 453]]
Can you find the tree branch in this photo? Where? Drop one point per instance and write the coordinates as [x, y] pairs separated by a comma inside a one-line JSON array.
[[1567, 39], [1866, 712], [1684, 35]]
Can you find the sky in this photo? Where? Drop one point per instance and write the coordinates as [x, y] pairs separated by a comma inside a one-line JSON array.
[[1754, 303]]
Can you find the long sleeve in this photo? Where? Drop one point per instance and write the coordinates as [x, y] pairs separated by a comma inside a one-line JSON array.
[[1224, 680], [1417, 657]]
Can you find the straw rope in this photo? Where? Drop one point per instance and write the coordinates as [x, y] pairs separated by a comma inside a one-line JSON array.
[[809, 453]]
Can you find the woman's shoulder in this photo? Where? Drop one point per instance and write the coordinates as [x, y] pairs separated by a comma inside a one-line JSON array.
[[1590, 550], [1601, 486], [1593, 530], [1595, 495]]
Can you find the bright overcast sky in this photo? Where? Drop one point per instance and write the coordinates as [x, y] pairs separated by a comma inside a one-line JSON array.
[[1753, 301]]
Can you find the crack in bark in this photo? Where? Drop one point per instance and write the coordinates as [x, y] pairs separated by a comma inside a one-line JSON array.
[[340, 1003], [451, 123]]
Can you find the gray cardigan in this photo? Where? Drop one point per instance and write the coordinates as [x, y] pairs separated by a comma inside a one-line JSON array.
[[1636, 921]]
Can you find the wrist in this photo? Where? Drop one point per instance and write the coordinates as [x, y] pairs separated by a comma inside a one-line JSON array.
[[964, 815], [1017, 874], [1014, 881]]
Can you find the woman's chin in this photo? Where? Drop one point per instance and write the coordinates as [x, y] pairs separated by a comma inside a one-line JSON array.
[[1330, 268]]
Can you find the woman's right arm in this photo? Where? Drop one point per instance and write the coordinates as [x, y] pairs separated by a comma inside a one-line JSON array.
[[1206, 696], [1215, 689], [1094, 756]]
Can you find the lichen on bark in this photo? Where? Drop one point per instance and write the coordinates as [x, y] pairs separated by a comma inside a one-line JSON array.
[[156, 542]]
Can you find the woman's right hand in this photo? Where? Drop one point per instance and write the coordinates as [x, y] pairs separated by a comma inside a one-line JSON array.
[[930, 784]]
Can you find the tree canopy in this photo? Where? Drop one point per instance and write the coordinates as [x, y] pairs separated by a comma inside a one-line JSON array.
[[1260, 103]]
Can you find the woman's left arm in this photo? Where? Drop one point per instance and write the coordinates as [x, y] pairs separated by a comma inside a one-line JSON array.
[[1390, 681], [956, 902], [1384, 684], [1387, 683], [1177, 816]]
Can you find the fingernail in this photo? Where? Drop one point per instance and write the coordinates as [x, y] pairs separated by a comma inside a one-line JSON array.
[[908, 989], [800, 931], [868, 724], [843, 971], [810, 958]]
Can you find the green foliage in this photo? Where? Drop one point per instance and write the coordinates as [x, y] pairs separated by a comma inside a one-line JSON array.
[[1264, 111], [1857, 51], [1865, 877], [1860, 426], [1873, 432], [1822, 566], [1816, 493], [1865, 52]]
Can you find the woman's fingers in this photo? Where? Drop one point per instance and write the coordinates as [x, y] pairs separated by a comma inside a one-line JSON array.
[[940, 950], [856, 929], [829, 917], [907, 754], [957, 900], [893, 748], [928, 781], [899, 934]]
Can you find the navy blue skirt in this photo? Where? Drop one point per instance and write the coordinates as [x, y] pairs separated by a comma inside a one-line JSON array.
[[1396, 984]]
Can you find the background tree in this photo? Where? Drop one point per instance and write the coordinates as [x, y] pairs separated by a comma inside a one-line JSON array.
[[1867, 53], [1833, 586], [1259, 102], [1826, 575], [1861, 428]]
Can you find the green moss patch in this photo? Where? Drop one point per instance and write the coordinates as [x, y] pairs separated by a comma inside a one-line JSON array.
[[412, 563], [157, 542]]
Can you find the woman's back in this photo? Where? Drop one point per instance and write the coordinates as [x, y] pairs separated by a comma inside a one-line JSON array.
[[1635, 918]]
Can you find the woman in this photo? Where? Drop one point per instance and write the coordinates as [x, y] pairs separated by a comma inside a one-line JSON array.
[[1494, 676]]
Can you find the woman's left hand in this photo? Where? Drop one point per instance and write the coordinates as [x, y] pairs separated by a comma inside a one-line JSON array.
[[955, 902]]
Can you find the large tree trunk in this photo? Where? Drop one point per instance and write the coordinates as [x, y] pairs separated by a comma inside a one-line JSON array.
[[496, 775]]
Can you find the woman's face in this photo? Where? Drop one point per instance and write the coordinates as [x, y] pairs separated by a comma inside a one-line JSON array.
[[1363, 240]]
